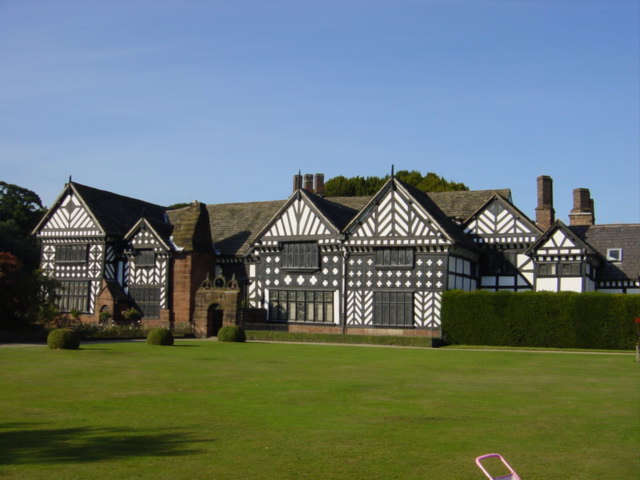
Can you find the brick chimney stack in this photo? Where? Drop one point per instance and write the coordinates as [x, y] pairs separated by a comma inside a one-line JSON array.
[[545, 214], [297, 181], [583, 208], [308, 182], [319, 184]]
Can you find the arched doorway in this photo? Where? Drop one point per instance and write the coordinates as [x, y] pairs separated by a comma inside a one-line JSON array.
[[214, 319]]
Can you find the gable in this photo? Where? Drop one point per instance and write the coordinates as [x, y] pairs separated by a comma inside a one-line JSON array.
[[498, 222], [395, 215], [70, 218], [559, 240], [298, 219], [144, 236], [559, 243]]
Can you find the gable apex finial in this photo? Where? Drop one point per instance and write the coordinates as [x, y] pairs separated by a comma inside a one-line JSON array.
[[69, 178], [392, 171]]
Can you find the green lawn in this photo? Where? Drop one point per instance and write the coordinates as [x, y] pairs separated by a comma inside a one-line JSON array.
[[208, 410]]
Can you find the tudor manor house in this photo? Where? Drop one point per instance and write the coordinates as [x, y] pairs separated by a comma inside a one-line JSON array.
[[371, 265]]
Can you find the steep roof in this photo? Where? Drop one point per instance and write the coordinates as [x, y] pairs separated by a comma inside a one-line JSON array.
[[446, 221], [336, 212], [457, 205], [624, 236], [117, 213], [233, 226]]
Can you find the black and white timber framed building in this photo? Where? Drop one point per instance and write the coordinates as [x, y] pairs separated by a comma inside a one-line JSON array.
[[367, 264]]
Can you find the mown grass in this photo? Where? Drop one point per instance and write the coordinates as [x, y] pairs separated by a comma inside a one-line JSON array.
[[222, 411]]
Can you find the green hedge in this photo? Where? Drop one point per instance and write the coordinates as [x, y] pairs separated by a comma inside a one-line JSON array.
[[541, 319]]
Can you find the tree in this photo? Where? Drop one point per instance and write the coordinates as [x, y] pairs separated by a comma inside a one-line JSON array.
[[20, 211], [21, 205], [360, 186], [25, 296]]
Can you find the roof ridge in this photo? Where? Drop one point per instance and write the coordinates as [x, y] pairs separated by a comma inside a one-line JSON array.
[[107, 192]]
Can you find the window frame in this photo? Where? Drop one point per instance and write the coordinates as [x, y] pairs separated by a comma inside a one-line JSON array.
[[394, 257], [542, 267], [72, 254], [285, 306], [300, 256], [145, 258], [385, 302], [613, 259], [147, 298], [73, 295]]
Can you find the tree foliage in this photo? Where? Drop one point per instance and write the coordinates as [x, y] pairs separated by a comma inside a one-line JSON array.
[[26, 295], [341, 186], [20, 211], [21, 205]]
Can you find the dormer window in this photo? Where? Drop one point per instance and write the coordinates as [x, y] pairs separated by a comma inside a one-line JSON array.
[[300, 255], [614, 254]]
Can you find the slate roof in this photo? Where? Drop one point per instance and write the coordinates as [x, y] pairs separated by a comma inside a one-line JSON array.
[[457, 205], [625, 236], [460, 205], [117, 213], [336, 212], [234, 225]]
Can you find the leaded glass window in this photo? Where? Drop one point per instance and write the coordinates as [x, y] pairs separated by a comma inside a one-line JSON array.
[[71, 254], [145, 258], [393, 309], [301, 306], [300, 255], [73, 295], [394, 257], [147, 297]]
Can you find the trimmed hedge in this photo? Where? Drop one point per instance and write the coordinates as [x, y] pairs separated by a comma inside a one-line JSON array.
[[541, 319], [160, 336], [231, 333], [63, 338]]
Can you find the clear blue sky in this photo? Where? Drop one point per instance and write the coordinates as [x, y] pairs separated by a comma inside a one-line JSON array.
[[224, 101]]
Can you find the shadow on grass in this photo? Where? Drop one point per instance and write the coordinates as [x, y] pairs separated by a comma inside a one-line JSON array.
[[23, 444]]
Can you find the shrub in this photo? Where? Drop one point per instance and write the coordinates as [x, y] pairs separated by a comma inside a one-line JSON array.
[[131, 314], [540, 319], [231, 333], [63, 338], [160, 336]]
